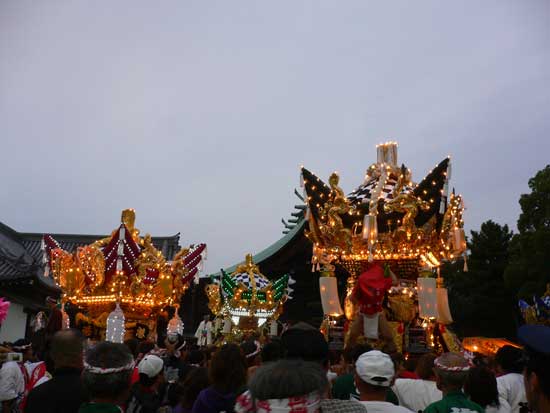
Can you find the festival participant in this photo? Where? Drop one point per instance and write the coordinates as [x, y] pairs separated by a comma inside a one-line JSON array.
[[481, 387], [251, 350], [304, 342], [400, 370], [12, 386], [510, 384], [204, 332], [55, 318], [227, 374], [132, 344], [417, 394], [285, 386], [344, 386], [162, 324], [189, 388], [64, 393], [106, 376], [451, 370], [374, 374], [272, 351], [145, 395], [18, 378], [537, 371], [196, 358]]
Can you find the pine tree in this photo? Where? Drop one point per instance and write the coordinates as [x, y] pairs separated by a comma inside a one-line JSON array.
[[529, 269], [481, 304]]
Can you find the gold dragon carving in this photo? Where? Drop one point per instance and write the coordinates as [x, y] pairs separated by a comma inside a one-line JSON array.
[[333, 230]]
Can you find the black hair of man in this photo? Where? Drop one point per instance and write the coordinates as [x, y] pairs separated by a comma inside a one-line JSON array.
[[510, 359], [304, 342], [66, 349]]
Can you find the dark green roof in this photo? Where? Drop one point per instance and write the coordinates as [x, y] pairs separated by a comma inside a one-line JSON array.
[[270, 251]]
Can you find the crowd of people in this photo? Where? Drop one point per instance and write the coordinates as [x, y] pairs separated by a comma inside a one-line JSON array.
[[295, 372]]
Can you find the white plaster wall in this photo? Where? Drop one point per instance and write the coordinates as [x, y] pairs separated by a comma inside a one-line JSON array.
[[13, 327]]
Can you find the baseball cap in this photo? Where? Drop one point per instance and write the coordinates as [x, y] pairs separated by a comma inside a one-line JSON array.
[[150, 365], [375, 368], [536, 337]]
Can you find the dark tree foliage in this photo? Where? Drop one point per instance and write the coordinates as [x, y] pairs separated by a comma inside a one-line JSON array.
[[529, 267], [480, 302]]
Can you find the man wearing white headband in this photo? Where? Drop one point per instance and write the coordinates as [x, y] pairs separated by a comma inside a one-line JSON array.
[[451, 371], [107, 371], [291, 386]]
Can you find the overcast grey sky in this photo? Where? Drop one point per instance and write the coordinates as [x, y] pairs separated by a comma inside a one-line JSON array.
[[198, 114]]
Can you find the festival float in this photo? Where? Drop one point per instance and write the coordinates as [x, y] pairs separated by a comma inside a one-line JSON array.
[[388, 238], [246, 300], [120, 284]]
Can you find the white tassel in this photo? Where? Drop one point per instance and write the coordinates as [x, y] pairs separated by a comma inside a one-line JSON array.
[[115, 326], [119, 264]]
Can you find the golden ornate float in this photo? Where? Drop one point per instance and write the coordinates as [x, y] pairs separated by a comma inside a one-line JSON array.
[[389, 221]]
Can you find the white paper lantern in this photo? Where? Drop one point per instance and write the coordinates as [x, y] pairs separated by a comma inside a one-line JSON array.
[[329, 296], [115, 326], [427, 297], [443, 310]]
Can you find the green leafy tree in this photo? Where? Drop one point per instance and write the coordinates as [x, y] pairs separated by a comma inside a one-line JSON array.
[[481, 304], [529, 267]]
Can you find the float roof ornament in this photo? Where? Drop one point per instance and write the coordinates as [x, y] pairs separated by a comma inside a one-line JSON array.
[[248, 293], [389, 216], [122, 267]]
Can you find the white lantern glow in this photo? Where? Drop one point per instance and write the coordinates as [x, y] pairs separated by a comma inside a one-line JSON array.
[[115, 326], [329, 296], [427, 297], [443, 310]]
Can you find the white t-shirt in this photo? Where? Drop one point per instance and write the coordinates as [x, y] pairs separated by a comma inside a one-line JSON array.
[[383, 407], [12, 382], [416, 394], [504, 407], [511, 388]]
